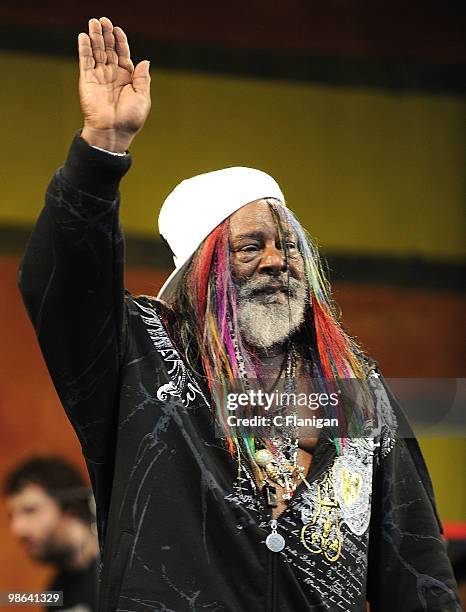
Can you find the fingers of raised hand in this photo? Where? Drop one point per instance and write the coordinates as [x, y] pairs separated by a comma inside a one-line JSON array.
[[109, 40], [97, 41], [86, 57], [105, 44], [122, 49]]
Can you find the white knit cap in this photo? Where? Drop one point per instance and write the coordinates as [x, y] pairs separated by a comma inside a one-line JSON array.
[[198, 204]]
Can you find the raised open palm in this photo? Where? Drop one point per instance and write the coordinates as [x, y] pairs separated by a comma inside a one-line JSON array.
[[115, 96]]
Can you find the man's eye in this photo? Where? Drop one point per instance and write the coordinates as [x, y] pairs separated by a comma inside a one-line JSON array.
[[250, 248]]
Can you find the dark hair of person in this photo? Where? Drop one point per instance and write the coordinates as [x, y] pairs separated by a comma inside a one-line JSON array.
[[59, 479]]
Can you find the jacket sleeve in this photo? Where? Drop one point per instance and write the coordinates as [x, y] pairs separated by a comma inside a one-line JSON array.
[[71, 280], [409, 570]]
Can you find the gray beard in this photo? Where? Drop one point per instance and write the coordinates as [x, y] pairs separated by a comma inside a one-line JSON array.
[[266, 323]]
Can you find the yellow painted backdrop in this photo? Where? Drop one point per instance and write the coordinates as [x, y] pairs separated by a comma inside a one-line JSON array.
[[365, 170]]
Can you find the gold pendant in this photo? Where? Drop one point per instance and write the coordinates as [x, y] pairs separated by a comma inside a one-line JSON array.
[[267, 462]]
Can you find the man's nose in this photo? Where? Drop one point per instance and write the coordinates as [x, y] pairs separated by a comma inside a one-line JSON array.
[[273, 260]]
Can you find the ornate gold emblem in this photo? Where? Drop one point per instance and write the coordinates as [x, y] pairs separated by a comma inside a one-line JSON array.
[[322, 534]]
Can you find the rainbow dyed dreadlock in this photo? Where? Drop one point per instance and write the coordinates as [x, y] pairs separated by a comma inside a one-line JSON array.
[[209, 329]]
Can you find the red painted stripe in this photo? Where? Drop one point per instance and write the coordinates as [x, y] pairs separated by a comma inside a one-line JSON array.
[[455, 531]]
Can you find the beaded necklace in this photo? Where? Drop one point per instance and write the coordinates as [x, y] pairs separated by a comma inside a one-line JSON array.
[[276, 459]]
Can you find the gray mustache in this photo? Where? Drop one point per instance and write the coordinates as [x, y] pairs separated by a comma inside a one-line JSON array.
[[257, 286]]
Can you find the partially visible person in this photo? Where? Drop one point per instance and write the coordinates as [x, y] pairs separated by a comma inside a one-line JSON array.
[[50, 511]]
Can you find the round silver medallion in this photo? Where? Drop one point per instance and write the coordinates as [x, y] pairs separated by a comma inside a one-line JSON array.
[[275, 542]]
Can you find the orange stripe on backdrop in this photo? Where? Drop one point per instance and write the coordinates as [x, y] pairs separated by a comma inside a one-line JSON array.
[[410, 333]]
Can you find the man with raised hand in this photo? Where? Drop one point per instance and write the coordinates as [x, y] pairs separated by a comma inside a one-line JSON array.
[[193, 512]]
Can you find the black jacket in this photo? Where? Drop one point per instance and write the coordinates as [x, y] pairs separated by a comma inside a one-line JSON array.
[[79, 587], [176, 533]]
